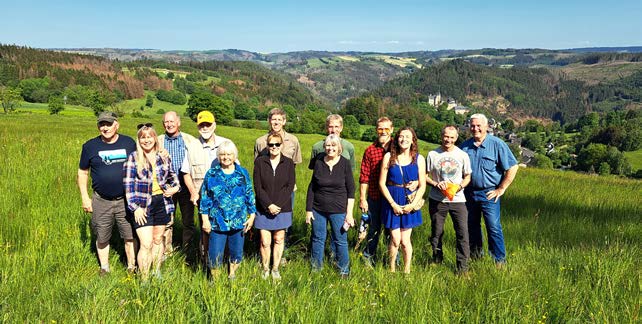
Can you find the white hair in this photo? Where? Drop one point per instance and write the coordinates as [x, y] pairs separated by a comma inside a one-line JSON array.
[[481, 117], [333, 138], [227, 147]]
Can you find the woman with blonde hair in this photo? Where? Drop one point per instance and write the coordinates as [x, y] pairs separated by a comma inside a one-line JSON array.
[[150, 182]]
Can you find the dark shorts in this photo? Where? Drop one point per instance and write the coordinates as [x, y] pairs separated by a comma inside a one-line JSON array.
[[106, 213], [156, 213]]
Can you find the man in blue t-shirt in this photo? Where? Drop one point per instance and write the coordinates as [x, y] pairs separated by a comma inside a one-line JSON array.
[[493, 169], [103, 158]]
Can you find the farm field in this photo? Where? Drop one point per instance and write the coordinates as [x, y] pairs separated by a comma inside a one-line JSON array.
[[573, 246], [635, 158]]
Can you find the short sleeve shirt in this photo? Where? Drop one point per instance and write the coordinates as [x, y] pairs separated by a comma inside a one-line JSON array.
[[105, 163], [447, 166], [488, 161], [348, 152]]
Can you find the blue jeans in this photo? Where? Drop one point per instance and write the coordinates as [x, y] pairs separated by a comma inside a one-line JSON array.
[[339, 240], [234, 240], [478, 204], [374, 229]]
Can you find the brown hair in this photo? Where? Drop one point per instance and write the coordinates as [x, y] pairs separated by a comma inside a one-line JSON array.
[[395, 149]]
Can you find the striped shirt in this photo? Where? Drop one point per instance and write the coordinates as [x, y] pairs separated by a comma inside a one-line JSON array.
[[176, 148]]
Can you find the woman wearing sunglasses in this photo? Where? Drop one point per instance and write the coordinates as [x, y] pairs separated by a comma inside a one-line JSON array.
[[150, 182], [274, 180]]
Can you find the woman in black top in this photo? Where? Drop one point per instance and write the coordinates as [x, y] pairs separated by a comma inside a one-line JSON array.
[[330, 199], [274, 180]]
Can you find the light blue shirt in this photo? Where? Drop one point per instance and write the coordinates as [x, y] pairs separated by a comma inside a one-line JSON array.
[[488, 161]]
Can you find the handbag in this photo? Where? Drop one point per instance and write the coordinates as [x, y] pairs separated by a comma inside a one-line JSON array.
[[410, 197]]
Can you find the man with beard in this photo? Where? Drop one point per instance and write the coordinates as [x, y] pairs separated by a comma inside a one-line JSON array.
[[198, 160], [370, 199]]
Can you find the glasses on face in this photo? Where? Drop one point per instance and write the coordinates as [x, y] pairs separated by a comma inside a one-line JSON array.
[[384, 130], [149, 125], [274, 144]]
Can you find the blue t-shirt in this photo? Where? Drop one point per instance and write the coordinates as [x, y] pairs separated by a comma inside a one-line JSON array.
[[105, 162], [488, 161]]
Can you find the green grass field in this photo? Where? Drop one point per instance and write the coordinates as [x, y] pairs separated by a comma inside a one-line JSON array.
[[573, 249], [635, 158]]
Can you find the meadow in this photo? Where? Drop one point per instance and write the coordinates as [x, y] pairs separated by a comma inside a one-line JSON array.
[[573, 245]]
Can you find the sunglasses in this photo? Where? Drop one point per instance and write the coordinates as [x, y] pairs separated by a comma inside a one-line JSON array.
[[274, 144], [149, 125], [383, 130]]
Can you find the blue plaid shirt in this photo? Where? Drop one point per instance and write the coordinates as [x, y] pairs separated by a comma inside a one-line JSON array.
[[138, 190], [176, 148]]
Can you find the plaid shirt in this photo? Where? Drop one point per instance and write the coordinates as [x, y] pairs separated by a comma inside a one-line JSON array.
[[176, 148], [371, 169], [139, 190]]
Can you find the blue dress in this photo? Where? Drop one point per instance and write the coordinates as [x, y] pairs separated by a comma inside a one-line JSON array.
[[390, 220]]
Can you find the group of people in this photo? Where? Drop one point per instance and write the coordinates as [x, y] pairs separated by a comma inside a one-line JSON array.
[[137, 184]]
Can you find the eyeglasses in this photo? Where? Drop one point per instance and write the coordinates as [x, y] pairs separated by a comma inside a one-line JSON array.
[[149, 125], [274, 144], [383, 130]]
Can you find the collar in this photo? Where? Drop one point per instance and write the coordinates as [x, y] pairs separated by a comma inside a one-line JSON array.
[[173, 138]]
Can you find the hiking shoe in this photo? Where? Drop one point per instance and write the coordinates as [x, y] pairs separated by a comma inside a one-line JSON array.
[[265, 274], [276, 275], [103, 273]]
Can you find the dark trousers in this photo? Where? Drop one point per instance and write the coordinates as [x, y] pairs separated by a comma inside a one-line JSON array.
[[459, 214]]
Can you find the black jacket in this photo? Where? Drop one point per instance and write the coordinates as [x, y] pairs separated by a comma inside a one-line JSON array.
[[273, 187]]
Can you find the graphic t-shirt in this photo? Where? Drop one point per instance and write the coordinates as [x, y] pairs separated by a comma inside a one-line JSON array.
[[447, 166], [105, 162]]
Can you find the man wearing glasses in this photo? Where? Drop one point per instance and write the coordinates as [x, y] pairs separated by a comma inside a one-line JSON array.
[[103, 157], [291, 147], [334, 125]]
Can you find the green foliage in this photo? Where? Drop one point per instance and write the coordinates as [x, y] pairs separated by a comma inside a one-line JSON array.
[[56, 105], [243, 111], [593, 155], [351, 128], [9, 98], [221, 108], [430, 130], [149, 101], [35, 90], [604, 169], [542, 161], [170, 75], [173, 96], [532, 141], [160, 111], [369, 135]]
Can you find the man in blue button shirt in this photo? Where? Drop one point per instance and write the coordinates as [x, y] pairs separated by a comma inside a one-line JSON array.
[[494, 167]]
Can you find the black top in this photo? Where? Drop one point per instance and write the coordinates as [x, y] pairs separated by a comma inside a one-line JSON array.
[[273, 186], [329, 191], [105, 162]]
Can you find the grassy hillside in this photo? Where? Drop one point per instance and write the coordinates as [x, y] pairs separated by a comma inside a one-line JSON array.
[[635, 158], [573, 253]]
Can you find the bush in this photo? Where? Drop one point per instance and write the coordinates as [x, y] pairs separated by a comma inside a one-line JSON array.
[[56, 105], [173, 96], [160, 111]]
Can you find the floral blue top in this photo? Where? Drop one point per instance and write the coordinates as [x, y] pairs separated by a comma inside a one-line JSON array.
[[227, 198]]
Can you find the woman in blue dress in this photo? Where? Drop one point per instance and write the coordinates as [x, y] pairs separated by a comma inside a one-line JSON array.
[[400, 168]]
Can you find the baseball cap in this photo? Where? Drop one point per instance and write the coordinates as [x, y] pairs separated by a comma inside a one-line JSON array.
[[204, 117], [107, 116]]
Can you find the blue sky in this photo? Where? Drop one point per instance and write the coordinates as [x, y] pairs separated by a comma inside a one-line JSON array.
[[282, 26]]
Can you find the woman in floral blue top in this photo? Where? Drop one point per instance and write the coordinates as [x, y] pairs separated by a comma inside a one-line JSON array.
[[226, 201], [149, 182]]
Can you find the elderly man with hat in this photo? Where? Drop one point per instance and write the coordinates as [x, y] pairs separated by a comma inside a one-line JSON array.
[[103, 157], [199, 158]]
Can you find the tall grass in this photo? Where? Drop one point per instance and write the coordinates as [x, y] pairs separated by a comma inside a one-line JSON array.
[[573, 249]]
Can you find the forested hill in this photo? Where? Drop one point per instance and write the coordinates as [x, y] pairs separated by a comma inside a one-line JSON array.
[[515, 92], [95, 81]]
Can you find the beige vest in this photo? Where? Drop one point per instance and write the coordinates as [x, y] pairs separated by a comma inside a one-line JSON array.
[[196, 157]]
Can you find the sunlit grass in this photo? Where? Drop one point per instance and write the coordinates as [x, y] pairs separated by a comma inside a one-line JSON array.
[[573, 248]]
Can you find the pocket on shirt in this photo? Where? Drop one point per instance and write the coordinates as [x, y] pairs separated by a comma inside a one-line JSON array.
[[488, 164]]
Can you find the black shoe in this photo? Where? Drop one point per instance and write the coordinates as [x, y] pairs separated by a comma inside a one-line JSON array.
[[438, 259]]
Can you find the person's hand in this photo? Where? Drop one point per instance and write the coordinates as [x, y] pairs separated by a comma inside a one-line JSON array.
[[163, 153], [350, 219], [408, 208], [140, 216], [398, 210], [274, 209], [442, 185], [363, 204], [495, 193], [171, 191], [194, 198], [309, 217], [206, 226], [248, 223], [412, 185], [86, 205]]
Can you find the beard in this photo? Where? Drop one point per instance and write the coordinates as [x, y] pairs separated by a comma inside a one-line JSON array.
[[206, 135]]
